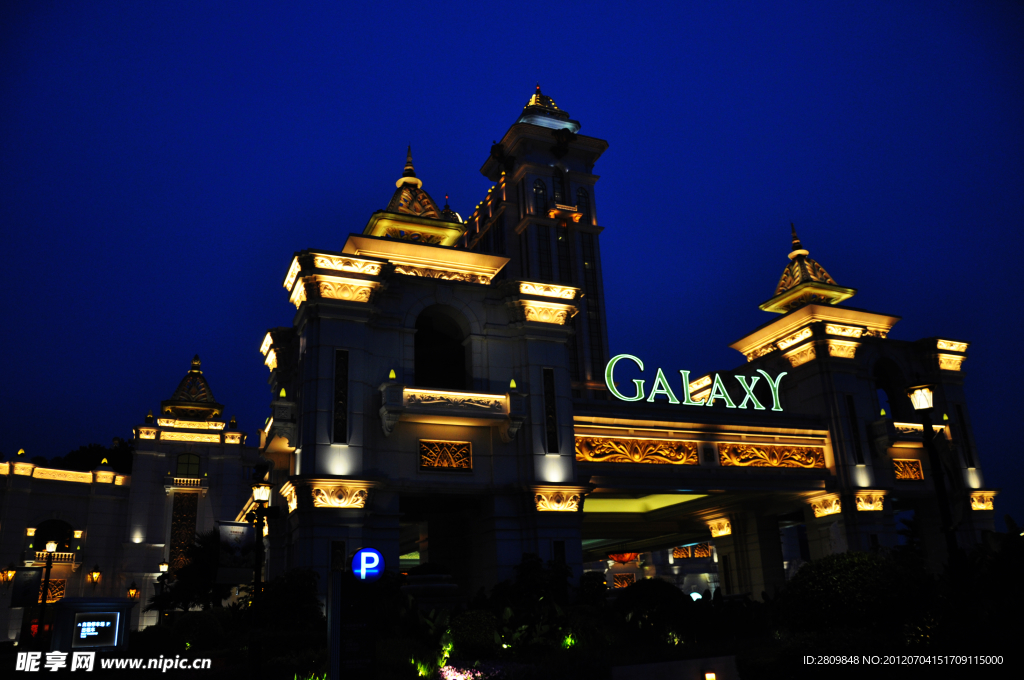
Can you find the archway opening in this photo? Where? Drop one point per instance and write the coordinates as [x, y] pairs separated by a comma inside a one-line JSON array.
[[441, 357]]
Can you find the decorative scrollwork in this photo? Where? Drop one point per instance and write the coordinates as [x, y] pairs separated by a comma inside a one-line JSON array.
[[446, 400], [875, 333], [761, 351], [908, 469], [450, 455], [183, 527], [339, 497], [546, 290], [352, 292], [950, 362], [750, 455], [682, 553], [982, 500], [545, 314], [443, 274], [802, 356], [720, 527], [829, 505], [609, 450], [842, 349], [952, 345], [870, 501], [791, 340], [702, 550], [843, 331], [190, 437], [557, 501]]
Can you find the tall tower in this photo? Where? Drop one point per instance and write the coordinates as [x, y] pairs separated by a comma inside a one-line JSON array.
[[541, 214]]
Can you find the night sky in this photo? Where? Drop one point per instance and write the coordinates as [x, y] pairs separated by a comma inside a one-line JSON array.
[[161, 164]]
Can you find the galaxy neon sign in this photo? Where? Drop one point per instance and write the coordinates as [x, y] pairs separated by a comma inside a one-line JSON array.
[[718, 390]]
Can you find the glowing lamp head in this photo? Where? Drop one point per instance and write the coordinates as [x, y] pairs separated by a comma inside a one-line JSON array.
[[133, 591], [95, 574], [921, 397], [261, 492], [9, 572], [163, 567], [51, 546]]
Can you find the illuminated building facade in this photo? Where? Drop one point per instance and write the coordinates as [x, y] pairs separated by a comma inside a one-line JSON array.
[[446, 396], [190, 468]]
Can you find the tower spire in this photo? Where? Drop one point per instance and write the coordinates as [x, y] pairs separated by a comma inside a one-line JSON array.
[[804, 282], [409, 171]]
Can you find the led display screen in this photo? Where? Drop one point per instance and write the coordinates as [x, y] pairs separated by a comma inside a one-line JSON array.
[[95, 629]]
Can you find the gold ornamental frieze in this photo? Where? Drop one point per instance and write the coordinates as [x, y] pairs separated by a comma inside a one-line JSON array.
[[720, 527], [346, 264], [558, 499], [350, 290], [793, 339], [870, 501], [950, 362], [191, 424], [546, 312], [190, 437], [456, 400], [655, 451], [843, 331], [547, 290], [951, 345], [338, 496], [842, 349], [826, 505], [760, 455], [983, 500], [802, 355], [441, 455], [908, 469], [443, 274]]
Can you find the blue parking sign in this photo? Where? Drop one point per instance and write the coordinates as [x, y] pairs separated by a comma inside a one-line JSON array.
[[368, 564]]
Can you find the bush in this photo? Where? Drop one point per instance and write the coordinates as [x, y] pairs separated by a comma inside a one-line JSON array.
[[473, 635]]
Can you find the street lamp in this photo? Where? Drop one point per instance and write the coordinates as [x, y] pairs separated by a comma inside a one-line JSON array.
[[94, 575], [51, 547], [259, 514], [922, 397], [161, 586], [7, 575], [133, 591]]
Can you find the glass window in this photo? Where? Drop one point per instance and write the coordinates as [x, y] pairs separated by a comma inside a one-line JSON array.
[[188, 465]]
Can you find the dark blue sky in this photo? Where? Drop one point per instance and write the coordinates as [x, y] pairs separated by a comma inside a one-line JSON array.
[[160, 165]]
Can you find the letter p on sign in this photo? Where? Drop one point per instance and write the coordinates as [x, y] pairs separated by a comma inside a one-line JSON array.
[[368, 564]]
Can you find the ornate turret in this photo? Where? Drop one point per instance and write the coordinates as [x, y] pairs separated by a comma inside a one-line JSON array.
[[412, 215], [541, 110], [193, 399], [804, 282]]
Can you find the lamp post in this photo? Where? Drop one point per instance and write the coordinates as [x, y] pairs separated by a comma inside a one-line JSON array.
[[260, 495], [161, 586], [922, 398], [95, 575], [7, 575], [51, 547]]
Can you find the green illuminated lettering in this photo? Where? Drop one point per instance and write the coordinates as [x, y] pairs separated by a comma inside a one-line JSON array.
[[610, 383], [718, 390], [774, 387], [686, 390], [749, 390], [661, 387]]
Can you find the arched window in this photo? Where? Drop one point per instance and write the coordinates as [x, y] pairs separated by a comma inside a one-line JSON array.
[[540, 196], [188, 465], [558, 183], [441, 357], [53, 530], [583, 204]]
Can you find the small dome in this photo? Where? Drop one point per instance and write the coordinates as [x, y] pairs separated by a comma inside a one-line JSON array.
[[193, 398]]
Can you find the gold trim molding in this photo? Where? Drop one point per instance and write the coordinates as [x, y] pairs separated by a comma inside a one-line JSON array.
[[655, 451], [826, 505], [720, 527], [546, 312], [349, 290], [842, 349], [346, 264], [759, 455], [843, 331], [442, 274], [190, 424], [190, 437], [952, 345], [62, 475], [793, 339], [951, 362], [445, 399]]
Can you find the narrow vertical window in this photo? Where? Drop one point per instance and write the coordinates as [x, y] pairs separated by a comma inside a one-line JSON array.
[[851, 412], [524, 254], [594, 325], [540, 197], [559, 187], [499, 237], [341, 396], [962, 426], [583, 205], [562, 235], [544, 251], [550, 414]]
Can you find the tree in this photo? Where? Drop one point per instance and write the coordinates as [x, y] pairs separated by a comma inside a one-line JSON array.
[[195, 584]]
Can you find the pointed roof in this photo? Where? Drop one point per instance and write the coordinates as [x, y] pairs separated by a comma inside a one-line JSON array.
[[541, 110], [193, 398], [410, 198], [804, 282]]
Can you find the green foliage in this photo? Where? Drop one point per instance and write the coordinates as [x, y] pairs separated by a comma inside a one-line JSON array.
[[195, 585], [201, 631], [473, 634], [656, 612]]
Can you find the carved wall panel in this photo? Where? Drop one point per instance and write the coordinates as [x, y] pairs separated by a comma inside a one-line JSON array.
[[756, 455], [829, 505], [802, 355], [353, 292], [623, 580], [338, 497], [443, 274], [870, 501], [546, 290], [720, 527], [183, 527], [950, 362], [190, 437], [346, 264], [681, 553], [843, 331], [702, 550], [542, 313], [446, 455], [557, 501], [56, 591], [609, 450], [908, 469], [791, 340], [982, 500], [842, 349], [952, 346], [452, 400]]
